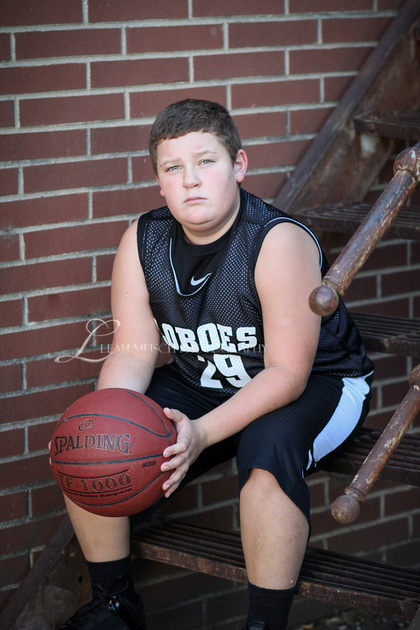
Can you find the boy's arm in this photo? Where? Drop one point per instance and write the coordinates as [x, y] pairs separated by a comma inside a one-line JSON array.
[[135, 346], [287, 270]]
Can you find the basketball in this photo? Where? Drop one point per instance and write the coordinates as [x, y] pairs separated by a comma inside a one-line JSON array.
[[106, 452]]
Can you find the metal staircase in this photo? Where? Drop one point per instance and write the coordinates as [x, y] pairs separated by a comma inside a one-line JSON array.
[[381, 108]]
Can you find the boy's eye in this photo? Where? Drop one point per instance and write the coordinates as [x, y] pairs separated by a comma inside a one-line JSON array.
[[172, 168]]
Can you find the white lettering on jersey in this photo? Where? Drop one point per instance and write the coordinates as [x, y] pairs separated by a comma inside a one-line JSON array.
[[231, 366], [223, 343], [169, 336], [209, 371], [225, 335], [228, 365], [246, 335], [210, 338], [187, 340]]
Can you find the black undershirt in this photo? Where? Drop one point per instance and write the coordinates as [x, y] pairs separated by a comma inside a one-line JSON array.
[[194, 264]]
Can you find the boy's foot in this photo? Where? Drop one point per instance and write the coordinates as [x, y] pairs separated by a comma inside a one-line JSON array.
[[256, 625], [108, 611]]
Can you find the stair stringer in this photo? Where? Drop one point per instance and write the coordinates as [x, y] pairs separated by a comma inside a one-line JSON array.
[[341, 165]]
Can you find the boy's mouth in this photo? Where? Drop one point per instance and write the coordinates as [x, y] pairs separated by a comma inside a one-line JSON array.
[[194, 199]]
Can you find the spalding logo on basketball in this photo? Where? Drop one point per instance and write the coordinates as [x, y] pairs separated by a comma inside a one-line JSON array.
[[106, 452]]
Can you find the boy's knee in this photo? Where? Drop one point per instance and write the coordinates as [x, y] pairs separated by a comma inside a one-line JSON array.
[[262, 482]]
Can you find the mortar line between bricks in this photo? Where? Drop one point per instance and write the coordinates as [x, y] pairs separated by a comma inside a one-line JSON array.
[[69, 224], [12, 47], [197, 20], [71, 191], [57, 258], [85, 12], [160, 55], [36, 390], [129, 121], [54, 323], [76, 159], [27, 519], [156, 87]]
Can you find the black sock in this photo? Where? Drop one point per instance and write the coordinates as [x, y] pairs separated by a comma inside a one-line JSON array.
[[270, 606], [113, 575]]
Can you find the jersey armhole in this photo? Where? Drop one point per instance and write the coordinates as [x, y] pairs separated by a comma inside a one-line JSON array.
[[276, 221], [141, 228]]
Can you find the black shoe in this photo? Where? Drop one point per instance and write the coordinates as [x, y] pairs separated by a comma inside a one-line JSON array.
[[256, 625], [111, 610]]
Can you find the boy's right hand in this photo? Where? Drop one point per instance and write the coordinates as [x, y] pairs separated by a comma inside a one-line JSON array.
[[191, 441]]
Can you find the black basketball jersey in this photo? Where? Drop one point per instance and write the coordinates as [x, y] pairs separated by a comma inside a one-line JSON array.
[[207, 307]]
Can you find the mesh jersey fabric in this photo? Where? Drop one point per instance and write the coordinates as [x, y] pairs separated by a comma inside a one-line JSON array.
[[216, 332]]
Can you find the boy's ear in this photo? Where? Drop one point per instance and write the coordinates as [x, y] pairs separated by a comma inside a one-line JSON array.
[[241, 165], [160, 187]]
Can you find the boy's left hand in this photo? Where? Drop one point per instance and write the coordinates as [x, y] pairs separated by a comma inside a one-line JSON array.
[[190, 442]]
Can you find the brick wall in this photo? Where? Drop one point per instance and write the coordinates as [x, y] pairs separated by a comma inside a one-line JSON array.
[[80, 84]]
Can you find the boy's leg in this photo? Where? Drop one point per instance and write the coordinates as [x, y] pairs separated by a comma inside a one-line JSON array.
[[100, 538], [274, 454], [274, 538], [105, 541], [274, 532]]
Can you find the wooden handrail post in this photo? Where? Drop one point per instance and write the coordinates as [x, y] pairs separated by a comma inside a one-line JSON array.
[[346, 508], [324, 299]]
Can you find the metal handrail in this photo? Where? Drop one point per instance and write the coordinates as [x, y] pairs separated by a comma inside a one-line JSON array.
[[324, 299]]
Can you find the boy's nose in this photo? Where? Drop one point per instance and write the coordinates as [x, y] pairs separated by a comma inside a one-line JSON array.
[[191, 178]]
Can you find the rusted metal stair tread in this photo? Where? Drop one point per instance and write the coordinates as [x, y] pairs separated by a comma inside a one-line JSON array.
[[402, 125], [385, 333], [345, 218], [403, 466], [325, 575]]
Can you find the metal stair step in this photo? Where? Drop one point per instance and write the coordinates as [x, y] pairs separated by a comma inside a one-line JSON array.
[[391, 335], [403, 466], [345, 218], [403, 125], [325, 575]]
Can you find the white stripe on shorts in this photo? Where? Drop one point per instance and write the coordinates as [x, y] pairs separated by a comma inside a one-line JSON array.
[[343, 421]]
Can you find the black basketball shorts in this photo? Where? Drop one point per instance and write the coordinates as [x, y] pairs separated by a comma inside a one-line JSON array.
[[289, 442]]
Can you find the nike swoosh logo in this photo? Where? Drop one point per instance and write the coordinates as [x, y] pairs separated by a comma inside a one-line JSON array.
[[195, 282]]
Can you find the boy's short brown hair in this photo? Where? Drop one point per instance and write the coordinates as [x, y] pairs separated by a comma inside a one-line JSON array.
[[190, 115]]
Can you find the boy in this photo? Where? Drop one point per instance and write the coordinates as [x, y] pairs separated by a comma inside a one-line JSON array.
[[224, 279]]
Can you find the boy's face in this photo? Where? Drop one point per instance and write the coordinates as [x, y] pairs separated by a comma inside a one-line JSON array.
[[200, 184]]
